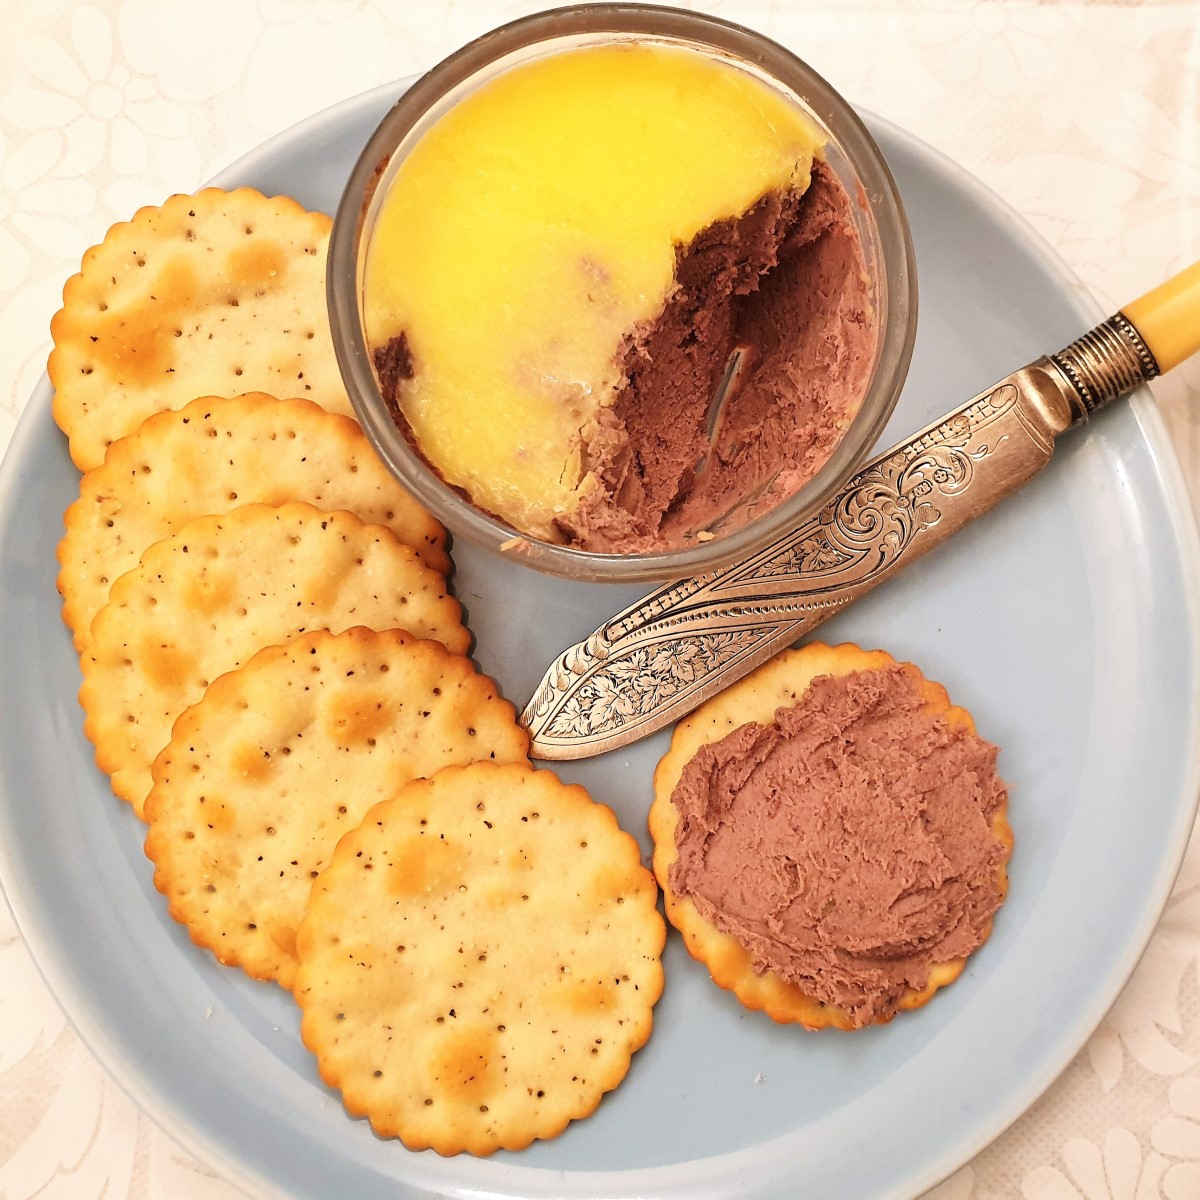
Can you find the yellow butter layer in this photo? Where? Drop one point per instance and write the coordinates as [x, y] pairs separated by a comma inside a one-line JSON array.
[[530, 231]]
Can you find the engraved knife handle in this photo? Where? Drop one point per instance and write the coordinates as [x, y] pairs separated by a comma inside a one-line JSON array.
[[660, 658]]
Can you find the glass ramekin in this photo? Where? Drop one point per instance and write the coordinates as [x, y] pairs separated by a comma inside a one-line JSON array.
[[850, 151]]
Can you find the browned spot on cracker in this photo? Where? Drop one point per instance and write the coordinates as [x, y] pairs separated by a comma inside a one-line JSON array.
[[425, 867], [251, 762], [261, 264], [165, 664], [209, 592], [134, 339], [588, 995], [355, 719], [464, 1065]]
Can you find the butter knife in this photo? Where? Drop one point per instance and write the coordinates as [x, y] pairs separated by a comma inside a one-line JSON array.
[[657, 660]]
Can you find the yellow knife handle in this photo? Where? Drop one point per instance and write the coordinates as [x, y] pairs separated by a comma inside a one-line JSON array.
[[1168, 318]]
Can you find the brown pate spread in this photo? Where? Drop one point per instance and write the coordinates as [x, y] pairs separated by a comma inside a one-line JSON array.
[[849, 845]]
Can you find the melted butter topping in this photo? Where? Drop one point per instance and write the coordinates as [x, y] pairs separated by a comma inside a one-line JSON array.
[[535, 226]]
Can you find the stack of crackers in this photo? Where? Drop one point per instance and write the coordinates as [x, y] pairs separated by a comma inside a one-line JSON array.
[[275, 679]]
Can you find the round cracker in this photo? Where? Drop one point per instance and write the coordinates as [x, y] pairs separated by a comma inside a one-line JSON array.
[[204, 600], [480, 960], [283, 756], [215, 454], [212, 294], [780, 683]]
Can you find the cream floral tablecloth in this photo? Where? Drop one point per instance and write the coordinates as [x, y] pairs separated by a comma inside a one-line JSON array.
[[1084, 116]]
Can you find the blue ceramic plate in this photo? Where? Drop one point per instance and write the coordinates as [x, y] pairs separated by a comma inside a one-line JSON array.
[[1065, 621]]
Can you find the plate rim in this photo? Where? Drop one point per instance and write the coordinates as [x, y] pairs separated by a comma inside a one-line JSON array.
[[1186, 537]]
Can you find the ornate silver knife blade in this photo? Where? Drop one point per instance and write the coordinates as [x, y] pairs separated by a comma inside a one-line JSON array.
[[662, 657]]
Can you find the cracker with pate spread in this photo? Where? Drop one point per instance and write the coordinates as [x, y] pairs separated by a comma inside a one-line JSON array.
[[831, 837]]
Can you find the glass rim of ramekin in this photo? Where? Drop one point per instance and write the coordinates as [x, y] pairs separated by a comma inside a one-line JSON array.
[[434, 92]]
